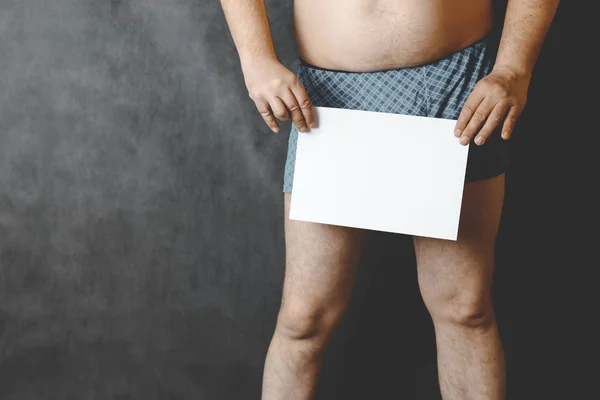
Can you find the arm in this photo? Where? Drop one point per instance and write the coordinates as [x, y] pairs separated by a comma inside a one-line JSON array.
[[274, 89], [503, 93], [525, 28], [249, 27]]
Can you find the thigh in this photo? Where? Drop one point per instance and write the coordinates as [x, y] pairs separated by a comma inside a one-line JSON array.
[[463, 268], [320, 266]]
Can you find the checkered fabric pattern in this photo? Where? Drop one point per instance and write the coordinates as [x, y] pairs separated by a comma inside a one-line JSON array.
[[438, 89]]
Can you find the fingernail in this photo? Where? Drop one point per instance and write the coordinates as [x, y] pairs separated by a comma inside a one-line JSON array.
[[457, 132], [313, 125], [303, 129], [479, 141], [464, 140]]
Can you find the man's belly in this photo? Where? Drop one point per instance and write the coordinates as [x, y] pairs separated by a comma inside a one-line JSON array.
[[368, 35]]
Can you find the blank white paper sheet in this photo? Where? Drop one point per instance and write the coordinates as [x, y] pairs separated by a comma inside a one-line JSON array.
[[380, 171]]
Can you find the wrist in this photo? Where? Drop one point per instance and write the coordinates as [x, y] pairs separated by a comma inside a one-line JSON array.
[[252, 58], [513, 71]]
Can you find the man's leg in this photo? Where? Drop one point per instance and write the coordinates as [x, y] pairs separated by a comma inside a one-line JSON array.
[[320, 268], [455, 282]]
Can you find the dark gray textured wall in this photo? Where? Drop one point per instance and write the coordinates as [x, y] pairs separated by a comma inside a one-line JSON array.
[[141, 240]]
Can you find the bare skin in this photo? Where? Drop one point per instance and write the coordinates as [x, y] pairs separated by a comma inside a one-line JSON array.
[[454, 277], [320, 268], [367, 35], [455, 280]]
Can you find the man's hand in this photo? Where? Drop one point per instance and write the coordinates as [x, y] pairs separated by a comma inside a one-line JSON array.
[[500, 95], [277, 93]]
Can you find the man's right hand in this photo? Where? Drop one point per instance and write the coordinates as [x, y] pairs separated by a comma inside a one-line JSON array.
[[277, 93]]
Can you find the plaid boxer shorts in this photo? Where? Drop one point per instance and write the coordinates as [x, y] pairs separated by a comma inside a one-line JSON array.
[[437, 89]]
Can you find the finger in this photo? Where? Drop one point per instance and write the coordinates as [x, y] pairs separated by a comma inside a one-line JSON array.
[[510, 121], [292, 104], [267, 114], [492, 122], [477, 119], [279, 109], [467, 111], [305, 105]]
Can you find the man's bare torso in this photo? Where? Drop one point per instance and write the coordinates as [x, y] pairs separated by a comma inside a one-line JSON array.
[[366, 35]]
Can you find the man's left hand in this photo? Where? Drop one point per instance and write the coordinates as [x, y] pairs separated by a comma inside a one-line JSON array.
[[501, 95]]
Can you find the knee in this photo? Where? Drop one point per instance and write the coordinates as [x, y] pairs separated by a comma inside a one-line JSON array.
[[305, 322], [475, 315], [465, 308]]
